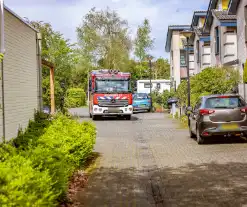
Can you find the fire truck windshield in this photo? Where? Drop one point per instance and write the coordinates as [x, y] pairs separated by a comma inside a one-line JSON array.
[[112, 86]]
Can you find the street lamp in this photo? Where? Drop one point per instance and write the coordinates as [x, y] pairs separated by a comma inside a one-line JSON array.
[[187, 34], [149, 57]]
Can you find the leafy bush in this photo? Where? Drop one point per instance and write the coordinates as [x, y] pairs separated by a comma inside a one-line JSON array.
[[34, 130], [245, 72], [22, 185], [75, 97], [36, 173], [160, 99], [209, 81]]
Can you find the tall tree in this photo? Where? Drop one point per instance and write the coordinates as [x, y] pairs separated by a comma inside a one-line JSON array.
[[59, 51], [143, 41], [104, 40], [161, 69]]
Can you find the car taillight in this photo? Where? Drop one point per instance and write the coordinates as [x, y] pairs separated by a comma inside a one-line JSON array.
[[206, 111], [244, 110]]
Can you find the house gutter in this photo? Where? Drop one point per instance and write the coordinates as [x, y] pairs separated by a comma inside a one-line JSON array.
[[39, 59], [2, 50]]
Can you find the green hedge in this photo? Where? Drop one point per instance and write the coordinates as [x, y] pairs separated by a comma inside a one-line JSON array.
[[75, 97], [34, 171]]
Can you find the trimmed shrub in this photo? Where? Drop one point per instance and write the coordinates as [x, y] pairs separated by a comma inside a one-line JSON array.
[[245, 73], [22, 185], [75, 97], [36, 173]]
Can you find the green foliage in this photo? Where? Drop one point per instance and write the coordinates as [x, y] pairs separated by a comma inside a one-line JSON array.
[[57, 50], [245, 73], [37, 173], [75, 97], [1, 57], [22, 185], [209, 81], [143, 41], [104, 39], [162, 98], [34, 130]]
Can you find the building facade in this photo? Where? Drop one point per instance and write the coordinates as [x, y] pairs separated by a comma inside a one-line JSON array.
[[175, 45], [21, 77]]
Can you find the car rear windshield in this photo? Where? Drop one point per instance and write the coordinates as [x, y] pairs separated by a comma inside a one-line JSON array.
[[224, 102], [139, 96]]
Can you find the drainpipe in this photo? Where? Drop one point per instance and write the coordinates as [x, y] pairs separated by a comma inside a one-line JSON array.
[[40, 102], [2, 50]]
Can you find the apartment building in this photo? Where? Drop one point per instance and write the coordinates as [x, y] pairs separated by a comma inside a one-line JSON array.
[[201, 42], [176, 46], [222, 28], [215, 39]]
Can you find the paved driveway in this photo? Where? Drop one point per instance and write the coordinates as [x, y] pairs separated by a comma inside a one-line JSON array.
[[149, 161]]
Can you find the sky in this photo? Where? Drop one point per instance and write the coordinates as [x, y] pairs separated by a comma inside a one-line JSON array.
[[66, 15]]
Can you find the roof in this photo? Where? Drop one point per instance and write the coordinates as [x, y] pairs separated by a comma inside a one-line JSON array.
[[172, 28], [196, 16], [198, 30], [209, 17], [154, 81], [233, 6], [20, 18], [223, 15]]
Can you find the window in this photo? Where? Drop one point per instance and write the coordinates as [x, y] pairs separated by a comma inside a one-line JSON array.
[[140, 96], [224, 102], [147, 85], [198, 50], [182, 58], [113, 85], [217, 41]]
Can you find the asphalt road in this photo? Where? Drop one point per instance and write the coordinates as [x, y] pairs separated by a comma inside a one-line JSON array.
[[151, 161]]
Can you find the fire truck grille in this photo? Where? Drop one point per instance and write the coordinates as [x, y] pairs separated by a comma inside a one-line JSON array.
[[117, 103]]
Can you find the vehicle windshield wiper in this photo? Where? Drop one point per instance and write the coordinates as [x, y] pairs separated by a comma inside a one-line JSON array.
[[223, 107]]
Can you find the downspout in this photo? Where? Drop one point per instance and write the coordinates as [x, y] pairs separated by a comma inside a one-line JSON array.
[[38, 43], [2, 65]]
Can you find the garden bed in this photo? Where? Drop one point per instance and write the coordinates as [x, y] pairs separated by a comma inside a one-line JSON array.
[[36, 166]]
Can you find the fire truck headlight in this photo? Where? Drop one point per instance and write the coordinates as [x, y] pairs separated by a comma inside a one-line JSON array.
[[130, 108], [95, 109]]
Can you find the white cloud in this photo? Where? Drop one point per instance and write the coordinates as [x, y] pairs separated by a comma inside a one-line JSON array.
[[66, 15]]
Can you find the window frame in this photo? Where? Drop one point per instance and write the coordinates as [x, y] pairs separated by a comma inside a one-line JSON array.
[[217, 40]]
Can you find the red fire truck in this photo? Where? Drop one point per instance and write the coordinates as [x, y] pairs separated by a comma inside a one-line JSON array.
[[109, 94]]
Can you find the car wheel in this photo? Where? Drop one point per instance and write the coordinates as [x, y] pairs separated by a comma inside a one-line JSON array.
[[95, 117], [199, 138], [192, 135]]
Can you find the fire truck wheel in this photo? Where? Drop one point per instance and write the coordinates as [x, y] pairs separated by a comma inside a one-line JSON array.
[[128, 117], [96, 117]]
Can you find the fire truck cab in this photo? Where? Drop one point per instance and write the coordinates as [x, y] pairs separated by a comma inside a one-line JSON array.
[[109, 94]]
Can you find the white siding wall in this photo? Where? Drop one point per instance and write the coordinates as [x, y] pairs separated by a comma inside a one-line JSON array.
[[206, 56], [20, 75], [192, 64], [241, 48], [229, 47], [176, 56]]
